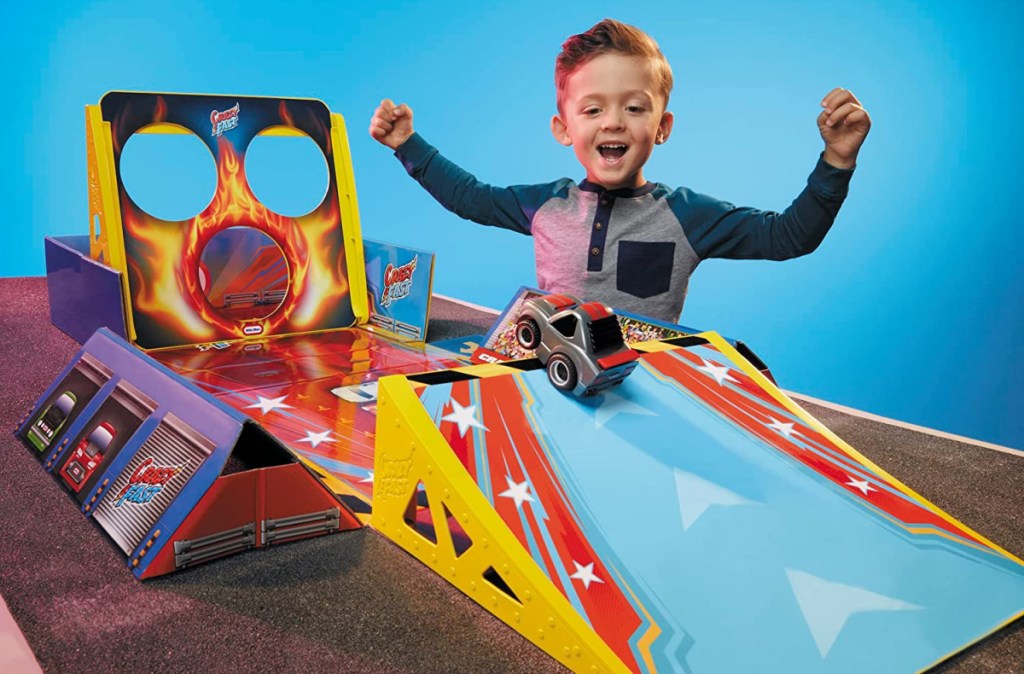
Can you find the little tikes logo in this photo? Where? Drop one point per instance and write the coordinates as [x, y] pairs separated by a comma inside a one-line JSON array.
[[148, 480], [224, 120], [397, 282]]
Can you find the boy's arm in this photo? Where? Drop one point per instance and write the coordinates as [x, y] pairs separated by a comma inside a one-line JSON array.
[[461, 193], [718, 229], [457, 190]]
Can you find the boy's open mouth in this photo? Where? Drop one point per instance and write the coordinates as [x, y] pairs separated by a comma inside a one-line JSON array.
[[612, 152]]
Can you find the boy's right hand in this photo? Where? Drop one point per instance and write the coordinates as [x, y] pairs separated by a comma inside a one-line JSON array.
[[391, 124]]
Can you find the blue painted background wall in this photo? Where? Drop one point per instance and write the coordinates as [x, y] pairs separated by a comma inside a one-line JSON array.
[[910, 309]]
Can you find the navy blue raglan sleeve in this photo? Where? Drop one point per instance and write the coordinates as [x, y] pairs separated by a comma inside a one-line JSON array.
[[461, 193], [717, 228]]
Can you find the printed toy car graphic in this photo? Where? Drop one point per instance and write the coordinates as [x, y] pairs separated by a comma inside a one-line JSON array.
[[87, 455], [580, 344], [43, 431]]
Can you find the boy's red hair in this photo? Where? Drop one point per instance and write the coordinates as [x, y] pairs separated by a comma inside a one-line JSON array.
[[611, 37]]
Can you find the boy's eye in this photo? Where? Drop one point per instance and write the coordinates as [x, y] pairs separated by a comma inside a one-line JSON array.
[[634, 108], [591, 111]]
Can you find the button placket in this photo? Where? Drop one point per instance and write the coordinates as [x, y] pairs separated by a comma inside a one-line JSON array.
[[599, 231]]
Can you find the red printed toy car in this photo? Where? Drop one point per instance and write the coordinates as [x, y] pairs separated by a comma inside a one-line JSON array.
[[580, 344], [87, 455]]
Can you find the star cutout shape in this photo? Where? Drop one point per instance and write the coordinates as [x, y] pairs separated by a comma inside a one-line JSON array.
[[316, 438], [719, 372], [517, 491], [585, 574], [465, 417], [369, 477], [863, 485], [268, 404], [783, 428]]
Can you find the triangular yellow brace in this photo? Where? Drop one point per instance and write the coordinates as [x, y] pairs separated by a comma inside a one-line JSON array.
[[412, 452]]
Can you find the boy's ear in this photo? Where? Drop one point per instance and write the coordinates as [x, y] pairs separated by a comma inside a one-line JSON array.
[[560, 131], [665, 127]]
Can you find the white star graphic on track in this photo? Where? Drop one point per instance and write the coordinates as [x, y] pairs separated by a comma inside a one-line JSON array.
[[863, 485], [517, 491], [268, 404], [464, 417], [826, 605], [369, 477], [585, 574], [719, 372], [614, 404], [316, 438], [783, 428], [696, 495]]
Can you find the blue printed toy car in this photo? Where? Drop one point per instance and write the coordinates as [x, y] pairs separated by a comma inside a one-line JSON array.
[[580, 344]]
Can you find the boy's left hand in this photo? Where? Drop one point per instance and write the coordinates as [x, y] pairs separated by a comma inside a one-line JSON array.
[[843, 124]]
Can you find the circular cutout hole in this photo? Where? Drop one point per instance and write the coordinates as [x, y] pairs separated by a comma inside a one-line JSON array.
[[243, 274], [288, 174], [171, 176]]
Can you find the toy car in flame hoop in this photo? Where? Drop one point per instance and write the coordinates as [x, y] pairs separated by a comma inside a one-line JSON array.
[[580, 343]]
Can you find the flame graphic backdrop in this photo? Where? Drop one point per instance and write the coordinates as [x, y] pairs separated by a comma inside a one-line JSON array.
[[168, 305]]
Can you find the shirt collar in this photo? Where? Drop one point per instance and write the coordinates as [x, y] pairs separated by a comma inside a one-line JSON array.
[[647, 188]]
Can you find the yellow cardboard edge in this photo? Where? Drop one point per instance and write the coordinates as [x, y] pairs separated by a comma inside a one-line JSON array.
[[411, 451], [355, 261], [775, 392], [104, 206]]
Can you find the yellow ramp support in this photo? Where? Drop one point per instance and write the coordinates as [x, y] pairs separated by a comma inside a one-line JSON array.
[[495, 571]]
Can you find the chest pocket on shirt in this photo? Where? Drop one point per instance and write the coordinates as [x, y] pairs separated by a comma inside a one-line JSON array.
[[644, 267]]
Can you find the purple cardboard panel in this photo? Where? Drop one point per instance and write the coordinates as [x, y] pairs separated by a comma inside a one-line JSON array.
[[85, 295]]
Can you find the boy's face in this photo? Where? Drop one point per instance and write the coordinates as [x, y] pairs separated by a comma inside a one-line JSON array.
[[613, 114]]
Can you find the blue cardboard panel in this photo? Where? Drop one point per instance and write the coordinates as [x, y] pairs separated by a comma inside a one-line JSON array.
[[85, 295], [399, 280]]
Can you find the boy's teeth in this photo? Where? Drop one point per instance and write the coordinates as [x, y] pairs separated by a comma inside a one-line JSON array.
[[612, 151]]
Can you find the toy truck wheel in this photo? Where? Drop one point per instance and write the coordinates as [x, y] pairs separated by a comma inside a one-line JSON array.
[[561, 372], [528, 333]]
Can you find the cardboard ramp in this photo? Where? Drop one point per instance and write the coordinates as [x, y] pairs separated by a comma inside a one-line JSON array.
[[693, 519]]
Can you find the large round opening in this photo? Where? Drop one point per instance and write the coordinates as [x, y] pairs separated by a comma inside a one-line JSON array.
[[243, 273], [171, 176], [287, 173]]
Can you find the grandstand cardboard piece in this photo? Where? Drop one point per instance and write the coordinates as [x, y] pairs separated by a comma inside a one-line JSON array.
[[172, 475], [694, 519]]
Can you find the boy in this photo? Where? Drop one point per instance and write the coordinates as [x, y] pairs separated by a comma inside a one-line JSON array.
[[616, 237]]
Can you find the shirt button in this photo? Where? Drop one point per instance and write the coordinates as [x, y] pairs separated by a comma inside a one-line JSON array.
[[604, 201], [598, 226], [595, 251]]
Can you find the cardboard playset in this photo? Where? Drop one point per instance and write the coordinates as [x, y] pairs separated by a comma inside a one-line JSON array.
[[249, 378]]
